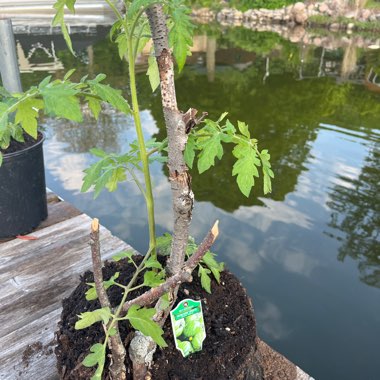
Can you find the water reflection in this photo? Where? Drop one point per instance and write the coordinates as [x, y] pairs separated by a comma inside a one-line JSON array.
[[103, 133], [355, 205]]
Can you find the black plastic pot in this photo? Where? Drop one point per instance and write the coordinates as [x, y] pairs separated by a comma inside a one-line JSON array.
[[23, 204]]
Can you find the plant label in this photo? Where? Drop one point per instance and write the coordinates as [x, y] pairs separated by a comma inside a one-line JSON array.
[[188, 326]]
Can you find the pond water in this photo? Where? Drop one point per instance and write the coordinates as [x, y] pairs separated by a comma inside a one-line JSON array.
[[309, 253]]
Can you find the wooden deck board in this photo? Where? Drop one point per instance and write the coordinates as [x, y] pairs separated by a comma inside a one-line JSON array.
[[35, 276]]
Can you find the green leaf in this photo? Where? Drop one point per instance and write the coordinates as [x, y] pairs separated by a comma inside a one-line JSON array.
[[60, 100], [118, 175], [189, 153], [4, 93], [143, 31], [106, 173], [27, 115], [98, 152], [122, 255], [245, 167], [100, 77], [122, 45], [229, 128], [153, 279], [44, 82], [101, 182], [17, 133], [1, 158], [181, 31], [141, 319], [91, 174], [112, 331], [205, 278], [222, 116], [136, 6], [111, 96], [267, 184], [94, 105], [59, 19], [152, 262], [243, 128], [215, 267], [267, 171], [69, 74], [97, 352], [164, 244], [91, 293], [153, 73], [97, 356], [211, 148], [3, 117], [165, 302], [90, 317]]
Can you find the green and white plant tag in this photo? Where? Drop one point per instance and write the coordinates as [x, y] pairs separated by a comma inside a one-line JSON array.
[[188, 326]]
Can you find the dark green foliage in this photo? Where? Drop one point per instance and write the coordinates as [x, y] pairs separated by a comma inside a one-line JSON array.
[[243, 4]]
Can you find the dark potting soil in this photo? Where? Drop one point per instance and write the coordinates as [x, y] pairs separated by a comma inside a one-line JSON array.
[[15, 146], [228, 316]]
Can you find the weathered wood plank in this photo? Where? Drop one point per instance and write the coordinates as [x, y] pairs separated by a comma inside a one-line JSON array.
[[58, 212], [35, 276], [28, 352]]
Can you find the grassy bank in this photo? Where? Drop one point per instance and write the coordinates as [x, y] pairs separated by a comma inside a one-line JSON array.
[[320, 20]]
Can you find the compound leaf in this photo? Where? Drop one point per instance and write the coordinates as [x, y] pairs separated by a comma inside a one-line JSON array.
[[110, 95], [205, 278], [97, 354], [88, 318], [245, 167], [211, 148], [153, 73], [60, 100], [189, 153], [181, 32], [153, 279]]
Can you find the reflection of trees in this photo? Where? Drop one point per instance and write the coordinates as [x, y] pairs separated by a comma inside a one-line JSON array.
[[259, 42], [356, 213], [283, 116], [103, 133], [349, 60]]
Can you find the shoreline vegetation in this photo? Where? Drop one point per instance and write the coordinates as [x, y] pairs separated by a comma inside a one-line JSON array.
[[335, 15]]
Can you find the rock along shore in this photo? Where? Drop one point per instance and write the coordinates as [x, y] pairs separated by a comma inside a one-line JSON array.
[[295, 14]]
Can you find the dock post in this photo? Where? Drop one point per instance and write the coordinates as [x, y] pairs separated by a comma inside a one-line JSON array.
[[9, 70]]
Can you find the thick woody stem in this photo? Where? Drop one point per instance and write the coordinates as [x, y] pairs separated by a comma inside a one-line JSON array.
[[180, 180], [117, 367], [182, 195]]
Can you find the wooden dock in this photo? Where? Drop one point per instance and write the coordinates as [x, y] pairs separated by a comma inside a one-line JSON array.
[[35, 275]]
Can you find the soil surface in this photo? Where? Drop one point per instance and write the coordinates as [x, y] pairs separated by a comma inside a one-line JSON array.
[[15, 146], [229, 320]]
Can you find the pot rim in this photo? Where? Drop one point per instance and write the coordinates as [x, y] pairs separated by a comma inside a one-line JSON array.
[[19, 152]]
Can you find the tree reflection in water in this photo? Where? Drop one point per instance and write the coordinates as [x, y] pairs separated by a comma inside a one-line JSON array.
[[356, 213]]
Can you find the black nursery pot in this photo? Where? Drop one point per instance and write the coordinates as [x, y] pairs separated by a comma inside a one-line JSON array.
[[23, 204]]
